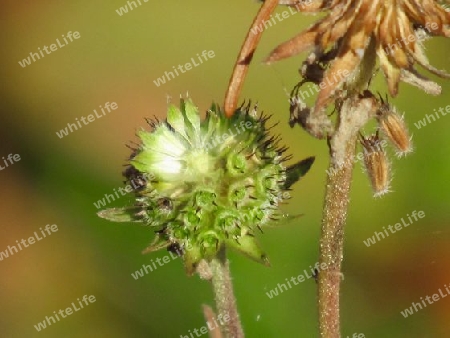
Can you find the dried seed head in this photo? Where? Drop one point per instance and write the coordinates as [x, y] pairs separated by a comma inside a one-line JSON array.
[[393, 126], [376, 164], [359, 31]]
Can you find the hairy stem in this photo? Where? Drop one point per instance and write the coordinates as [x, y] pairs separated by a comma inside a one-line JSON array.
[[353, 115], [332, 241], [227, 314]]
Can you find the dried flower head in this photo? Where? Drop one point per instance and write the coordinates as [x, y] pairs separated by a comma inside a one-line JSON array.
[[212, 182], [354, 32]]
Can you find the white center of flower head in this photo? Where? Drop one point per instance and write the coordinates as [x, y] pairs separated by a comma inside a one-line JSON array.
[[169, 165], [199, 162]]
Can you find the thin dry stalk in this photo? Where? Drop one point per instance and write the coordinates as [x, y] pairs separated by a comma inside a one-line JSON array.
[[245, 57]]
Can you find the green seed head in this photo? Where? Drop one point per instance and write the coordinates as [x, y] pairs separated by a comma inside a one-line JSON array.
[[206, 184]]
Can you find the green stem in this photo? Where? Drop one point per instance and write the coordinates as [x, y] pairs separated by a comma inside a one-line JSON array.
[[226, 309]]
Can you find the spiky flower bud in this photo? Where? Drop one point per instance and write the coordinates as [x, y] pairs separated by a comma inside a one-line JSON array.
[[376, 164], [212, 182], [393, 126]]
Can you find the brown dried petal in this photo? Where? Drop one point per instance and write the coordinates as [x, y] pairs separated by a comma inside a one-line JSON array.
[[377, 165], [302, 42], [394, 128]]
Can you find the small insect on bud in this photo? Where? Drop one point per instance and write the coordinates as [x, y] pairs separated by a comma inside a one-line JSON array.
[[376, 164], [394, 128]]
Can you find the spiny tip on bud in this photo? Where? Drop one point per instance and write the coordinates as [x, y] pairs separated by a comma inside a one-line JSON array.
[[376, 164], [393, 126]]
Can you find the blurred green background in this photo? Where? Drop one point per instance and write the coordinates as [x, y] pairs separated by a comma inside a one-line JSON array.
[[116, 59]]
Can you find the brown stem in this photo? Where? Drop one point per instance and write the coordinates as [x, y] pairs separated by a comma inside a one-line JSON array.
[[246, 55], [210, 317], [227, 313], [354, 113], [331, 243]]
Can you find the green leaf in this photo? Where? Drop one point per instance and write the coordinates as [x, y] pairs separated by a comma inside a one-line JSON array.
[[296, 171], [176, 119], [248, 246], [285, 219], [192, 256], [158, 243], [209, 126], [192, 114]]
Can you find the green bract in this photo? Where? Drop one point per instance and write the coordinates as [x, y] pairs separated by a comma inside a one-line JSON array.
[[205, 184]]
